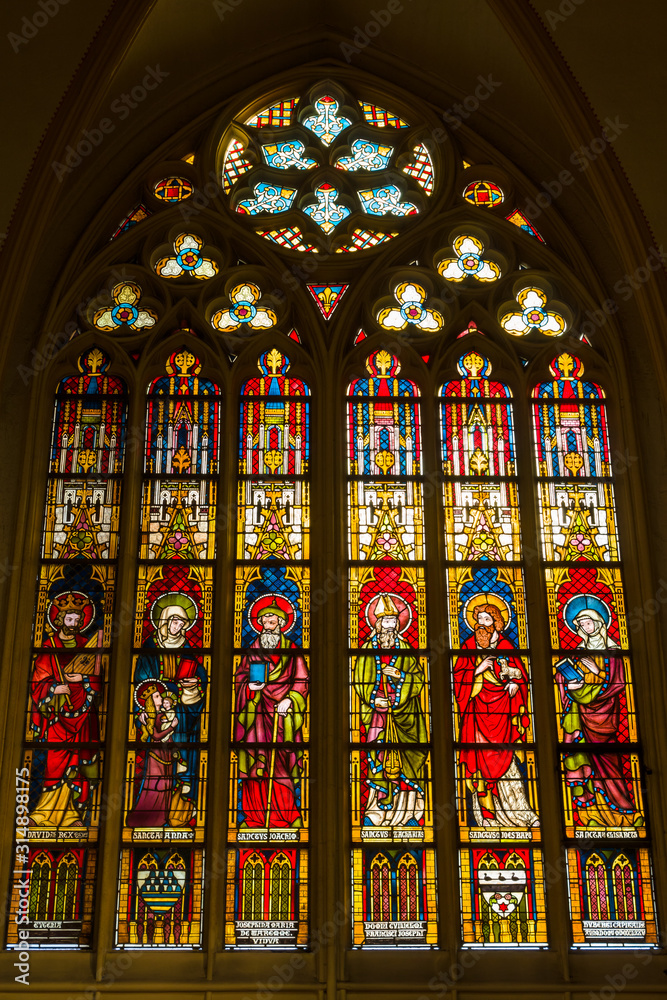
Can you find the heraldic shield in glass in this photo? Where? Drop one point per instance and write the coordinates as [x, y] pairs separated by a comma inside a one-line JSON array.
[[268, 828], [393, 872], [600, 756], [502, 896], [160, 884], [58, 786]]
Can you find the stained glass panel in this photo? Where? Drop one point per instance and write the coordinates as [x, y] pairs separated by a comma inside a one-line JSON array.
[[267, 898], [160, 892], [58, 787], [166, 771], [611, 897], [502, 897], [267, 879], [390, 712], [600, 758], [394, 897]]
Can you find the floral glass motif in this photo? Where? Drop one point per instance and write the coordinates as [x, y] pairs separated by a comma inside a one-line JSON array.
[[287, 155], [533, 316], [469, 262], [366, 155], [234, 165], [269, 811], [323, 205], [493, 730], [421, 168], [245, 311], [275, 116], [188, 260], [59, 781], [600, 756], [290, 238], [377, 116], [385, 201], [327, 213], [125, 311], [390, 759], [173, 189], [483, 194], [411, 310], [267, 198], [326, 124], [327, 297]]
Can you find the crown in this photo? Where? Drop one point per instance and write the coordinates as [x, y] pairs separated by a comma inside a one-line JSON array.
[[71, 602]]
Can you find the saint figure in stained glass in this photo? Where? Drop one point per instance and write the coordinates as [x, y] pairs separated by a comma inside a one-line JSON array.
[[492, 693], [65, 689], [167, 669], [591, 689], [271, 702], [389, 687]]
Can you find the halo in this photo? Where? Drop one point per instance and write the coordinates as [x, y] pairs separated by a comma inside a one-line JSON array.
[[87, 610], [143, 687], [486, 598], [265, 601], [585, 602], [174, 597], [404, 611]]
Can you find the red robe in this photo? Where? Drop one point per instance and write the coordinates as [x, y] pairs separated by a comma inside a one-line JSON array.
[[67, 720], [489, 714], [254, 726]]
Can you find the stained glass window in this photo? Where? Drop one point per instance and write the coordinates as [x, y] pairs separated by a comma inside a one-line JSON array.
[[268, 823], [288, 154], [393, 860], [59, 781], [502, 890], [160, 884], [600, 756]]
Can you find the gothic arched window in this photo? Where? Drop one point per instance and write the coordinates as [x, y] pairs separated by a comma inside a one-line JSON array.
[[315, 593]]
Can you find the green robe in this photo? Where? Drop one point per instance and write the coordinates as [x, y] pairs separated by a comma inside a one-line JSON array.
[[410, 726]]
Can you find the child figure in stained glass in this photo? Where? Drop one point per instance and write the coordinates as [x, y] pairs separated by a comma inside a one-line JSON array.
[[167, 658], [389, 688], [492, 696], [161, 798], [591, 714]]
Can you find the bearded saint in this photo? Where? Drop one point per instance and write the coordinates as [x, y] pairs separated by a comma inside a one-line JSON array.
[[492, 696], [270, 712], [183, 675], [389, 687], [65, 687], [591, 714]]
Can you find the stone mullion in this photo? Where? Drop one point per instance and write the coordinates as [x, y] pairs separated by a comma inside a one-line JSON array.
[[220, 697], [442, 747], [120, 672]]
